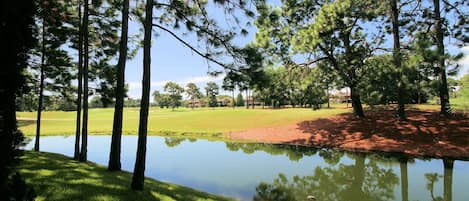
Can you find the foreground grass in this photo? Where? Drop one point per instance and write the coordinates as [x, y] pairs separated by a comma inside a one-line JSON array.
[[56, 177], [199, 122]]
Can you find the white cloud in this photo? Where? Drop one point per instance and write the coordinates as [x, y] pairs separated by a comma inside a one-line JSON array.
[[202, 79], [465, 48], [464, 62]]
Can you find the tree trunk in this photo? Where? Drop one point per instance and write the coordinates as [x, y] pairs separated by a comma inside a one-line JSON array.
[[247, 100], [115, 154], [359, 177], [443, 86], [448, 179], [252, 98], [84, 134], [41, 86], [232, 96], [356, 103], [396, 57], [76, 154], [328, 98], [404, 180], [139, 170]]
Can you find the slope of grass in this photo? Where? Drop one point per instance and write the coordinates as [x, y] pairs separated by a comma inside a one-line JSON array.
[[166, 122], [56, 177]]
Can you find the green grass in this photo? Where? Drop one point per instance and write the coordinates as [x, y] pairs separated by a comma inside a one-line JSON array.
[[56, 177], [460, 104], [203, 121]]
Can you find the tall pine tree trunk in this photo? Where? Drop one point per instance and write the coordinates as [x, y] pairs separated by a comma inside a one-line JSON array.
[[84, 134], [396, 58], [139, 169], [448, 179], [41, 86], [247, 99], [404, 180], [115, 154], [76, 154], [232, 96], [443, 86]]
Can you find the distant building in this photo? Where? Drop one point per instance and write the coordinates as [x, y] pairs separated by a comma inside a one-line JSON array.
[[197, 103], [340, 96], [250, 101], [224, 101]]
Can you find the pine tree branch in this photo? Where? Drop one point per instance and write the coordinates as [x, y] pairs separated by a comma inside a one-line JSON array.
[[206, 56]]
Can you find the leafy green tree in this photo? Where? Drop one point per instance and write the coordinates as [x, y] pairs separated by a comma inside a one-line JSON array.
[[212, 91], [162, 100], [229, 84], [193, 92], [95, 102], [239, 100], [336, 36], [442, 20], [464, 84], [175, 93]]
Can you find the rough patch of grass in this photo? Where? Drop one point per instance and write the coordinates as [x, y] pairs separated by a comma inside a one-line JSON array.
[[56, 177], [204, 122]]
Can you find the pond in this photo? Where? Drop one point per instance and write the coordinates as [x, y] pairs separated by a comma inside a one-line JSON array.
[[282, 172]]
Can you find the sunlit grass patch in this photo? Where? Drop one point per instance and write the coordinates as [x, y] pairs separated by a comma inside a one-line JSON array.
[[56, 177]]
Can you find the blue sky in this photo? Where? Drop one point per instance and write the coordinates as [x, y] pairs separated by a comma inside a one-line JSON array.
[[171, 61]]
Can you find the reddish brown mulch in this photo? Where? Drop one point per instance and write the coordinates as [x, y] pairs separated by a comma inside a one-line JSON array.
[[423, 134]]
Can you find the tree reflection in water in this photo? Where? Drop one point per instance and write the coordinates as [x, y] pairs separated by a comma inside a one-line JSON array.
[[433, 178], [369, 178], [363, 180]]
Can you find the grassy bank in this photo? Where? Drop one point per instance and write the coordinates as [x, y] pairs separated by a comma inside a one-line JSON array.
[[56, 177], [183, 121]]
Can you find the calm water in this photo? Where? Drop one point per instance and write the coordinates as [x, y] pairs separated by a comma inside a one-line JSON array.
[[277, 172]]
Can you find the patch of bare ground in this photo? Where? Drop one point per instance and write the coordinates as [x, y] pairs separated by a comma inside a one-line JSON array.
[[425, 133]]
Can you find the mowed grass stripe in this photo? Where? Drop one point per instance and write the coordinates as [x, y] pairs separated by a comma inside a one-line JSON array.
[[182, 120]]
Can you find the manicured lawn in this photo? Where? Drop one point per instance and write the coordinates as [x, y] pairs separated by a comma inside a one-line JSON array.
[[56, 177], [181, 121]]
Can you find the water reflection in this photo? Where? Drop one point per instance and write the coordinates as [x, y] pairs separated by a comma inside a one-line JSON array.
[[433, 178], [363, 180], [256, 171]]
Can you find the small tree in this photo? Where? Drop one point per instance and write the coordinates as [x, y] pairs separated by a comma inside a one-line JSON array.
[[239, 100], [175, 92], [193, 92], [212, 91]]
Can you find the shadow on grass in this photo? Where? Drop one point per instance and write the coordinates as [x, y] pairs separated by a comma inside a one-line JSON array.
[[56, 177], [24, 122]]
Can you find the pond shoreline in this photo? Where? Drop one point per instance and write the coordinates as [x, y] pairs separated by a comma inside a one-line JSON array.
[[424, 134]]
